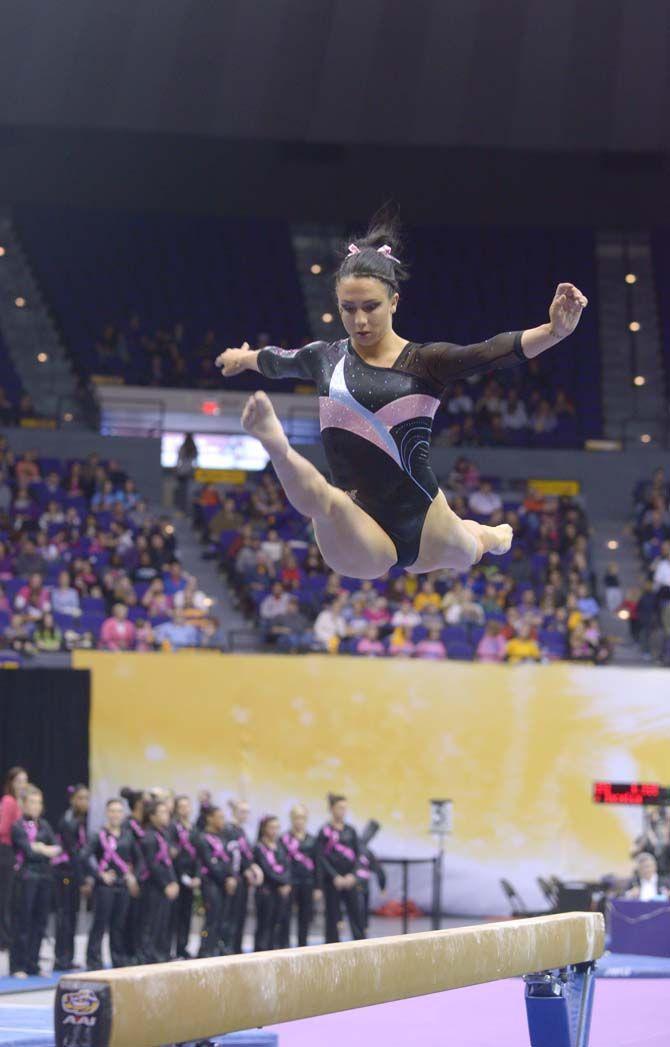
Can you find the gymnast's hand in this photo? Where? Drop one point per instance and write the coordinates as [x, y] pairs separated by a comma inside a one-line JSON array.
[[234, 361], [566, 309]]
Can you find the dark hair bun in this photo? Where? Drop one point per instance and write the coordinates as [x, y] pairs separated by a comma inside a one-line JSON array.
[[131, 796], [364, 257]]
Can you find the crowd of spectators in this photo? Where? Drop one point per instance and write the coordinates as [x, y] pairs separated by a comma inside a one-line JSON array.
[[16, 411], [647, 606], [518, 407], [173, 355], [536, 603], [85, 563]]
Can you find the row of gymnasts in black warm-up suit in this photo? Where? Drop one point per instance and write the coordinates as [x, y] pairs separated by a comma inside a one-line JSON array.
[[143, 872]]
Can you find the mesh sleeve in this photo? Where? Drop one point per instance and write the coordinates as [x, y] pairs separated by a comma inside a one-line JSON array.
[[289, 363], [445, 362]]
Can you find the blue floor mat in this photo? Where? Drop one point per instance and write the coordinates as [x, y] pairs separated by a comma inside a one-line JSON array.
[[32, 984], [26, 1026], [628, 965]]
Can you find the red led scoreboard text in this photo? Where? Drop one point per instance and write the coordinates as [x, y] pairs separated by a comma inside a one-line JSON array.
[[634, 793]]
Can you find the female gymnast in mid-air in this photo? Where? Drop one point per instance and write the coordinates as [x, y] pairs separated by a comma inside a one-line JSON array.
[[378, 394]]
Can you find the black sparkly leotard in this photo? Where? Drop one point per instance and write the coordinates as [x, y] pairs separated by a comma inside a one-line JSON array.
[[376, 422]]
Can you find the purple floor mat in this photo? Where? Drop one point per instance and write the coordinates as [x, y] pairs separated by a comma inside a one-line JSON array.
[[627, 1014]]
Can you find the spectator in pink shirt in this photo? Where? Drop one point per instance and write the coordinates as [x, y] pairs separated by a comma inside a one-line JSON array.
[[144, 636], [432, 648], [370, 644], [33, 599], [117, 633], [377, 613], [491, 647], [10, 812], [156, 600]]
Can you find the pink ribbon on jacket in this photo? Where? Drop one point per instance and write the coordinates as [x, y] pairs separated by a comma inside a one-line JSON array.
[[334, 844], [363, 871], [244, 847], [65, 857], [31, 832], [163, 853], [271, 860], [137, 828], [219, 852], [110, 854], [295, 854], [185, 840]]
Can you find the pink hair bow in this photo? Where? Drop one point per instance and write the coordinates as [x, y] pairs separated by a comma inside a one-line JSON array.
[[385, 250]]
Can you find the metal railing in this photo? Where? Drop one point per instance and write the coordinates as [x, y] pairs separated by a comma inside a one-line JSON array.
[[127, 417]]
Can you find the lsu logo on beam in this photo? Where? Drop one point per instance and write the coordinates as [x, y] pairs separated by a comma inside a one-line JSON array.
[[83, 1014], [80, 1005]]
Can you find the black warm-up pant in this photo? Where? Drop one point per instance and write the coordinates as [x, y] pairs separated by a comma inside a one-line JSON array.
[[351, 900], [271, 913], [133, 929], [7, 860], [365, 906], [238, 916], [182, 910], [155, 937], [302, 902], [30, 912], [218, 904], [66, 898], [110, 914]]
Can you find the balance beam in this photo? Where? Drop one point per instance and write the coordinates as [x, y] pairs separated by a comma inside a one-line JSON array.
[[191, 1000]]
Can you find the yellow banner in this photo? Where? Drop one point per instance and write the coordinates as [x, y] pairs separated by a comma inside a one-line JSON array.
[[516, 748], [37, 423], [555, 487], [220, 476]]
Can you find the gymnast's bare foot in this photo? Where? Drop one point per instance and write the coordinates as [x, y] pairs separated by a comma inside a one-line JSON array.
[[502, 542], [259, 420]]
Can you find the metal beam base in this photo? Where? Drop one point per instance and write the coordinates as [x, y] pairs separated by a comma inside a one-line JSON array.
[[559, 1006]]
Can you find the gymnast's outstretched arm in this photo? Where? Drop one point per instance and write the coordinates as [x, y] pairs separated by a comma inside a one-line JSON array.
[[444, 361], [270, 362]]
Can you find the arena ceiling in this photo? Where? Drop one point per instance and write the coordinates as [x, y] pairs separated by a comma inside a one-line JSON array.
[[529, 74], [512, 111]]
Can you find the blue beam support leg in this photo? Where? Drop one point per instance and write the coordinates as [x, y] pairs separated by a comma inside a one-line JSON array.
[[559, 1006]]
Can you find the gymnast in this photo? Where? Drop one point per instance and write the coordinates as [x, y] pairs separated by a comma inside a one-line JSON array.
[[378, 395]]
